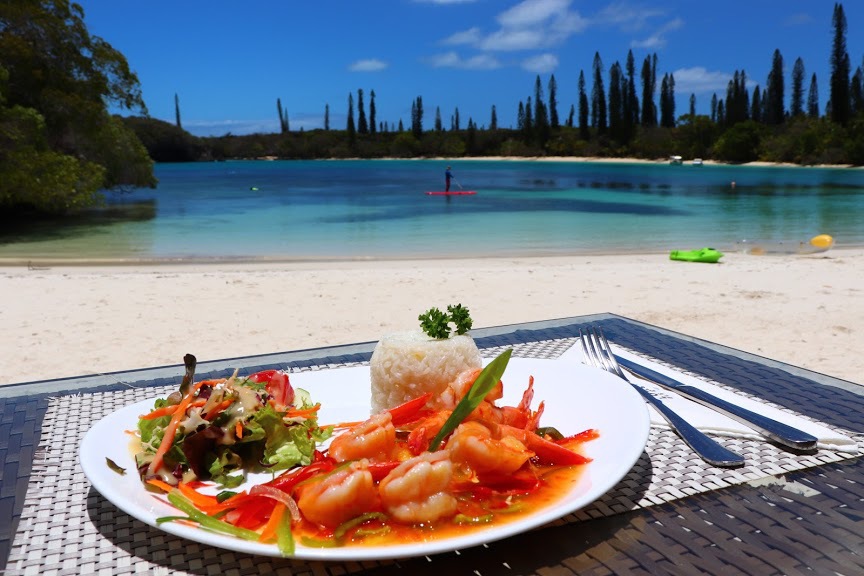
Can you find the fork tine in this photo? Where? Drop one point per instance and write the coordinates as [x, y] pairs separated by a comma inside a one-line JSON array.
[[605, 351], [589, 349], [598, 351]]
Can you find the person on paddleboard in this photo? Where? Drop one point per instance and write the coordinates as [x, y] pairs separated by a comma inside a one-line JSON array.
[[447, 177]]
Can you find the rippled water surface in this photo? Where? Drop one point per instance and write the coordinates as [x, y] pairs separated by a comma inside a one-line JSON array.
[[379, 209]]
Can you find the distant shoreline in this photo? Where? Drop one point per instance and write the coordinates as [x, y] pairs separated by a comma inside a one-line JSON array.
[[267, 262], [575, 159]]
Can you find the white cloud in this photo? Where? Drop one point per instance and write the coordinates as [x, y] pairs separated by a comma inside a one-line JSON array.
[[699, 80], [541, 64], [368, 65], [454, 60], [514, 39], [658, 39], [470, 36], [626, 16], [529, 25]]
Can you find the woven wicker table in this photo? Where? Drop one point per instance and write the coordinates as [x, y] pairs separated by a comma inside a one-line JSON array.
[[782, 513]]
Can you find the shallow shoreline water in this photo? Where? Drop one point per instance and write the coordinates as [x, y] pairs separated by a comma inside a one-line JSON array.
[[294, 211]]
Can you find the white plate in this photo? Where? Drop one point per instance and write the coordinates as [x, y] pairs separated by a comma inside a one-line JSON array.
[[577, 398]]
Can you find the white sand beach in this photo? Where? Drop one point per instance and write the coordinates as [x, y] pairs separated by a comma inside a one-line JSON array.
[[77, 320]]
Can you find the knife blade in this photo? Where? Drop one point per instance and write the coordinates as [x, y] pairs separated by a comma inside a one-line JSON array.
[[776, 431]]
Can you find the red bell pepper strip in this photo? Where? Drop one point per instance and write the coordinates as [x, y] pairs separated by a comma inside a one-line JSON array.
[[410, 410]]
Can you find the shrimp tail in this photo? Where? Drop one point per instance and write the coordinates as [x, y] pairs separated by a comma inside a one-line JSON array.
[[527, 396], [545, 451]]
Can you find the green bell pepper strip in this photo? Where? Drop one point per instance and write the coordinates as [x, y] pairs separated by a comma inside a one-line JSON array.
[[487, 379], [185, 505]]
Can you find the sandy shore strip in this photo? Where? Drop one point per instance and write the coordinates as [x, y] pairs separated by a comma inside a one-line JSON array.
[[64, 321]]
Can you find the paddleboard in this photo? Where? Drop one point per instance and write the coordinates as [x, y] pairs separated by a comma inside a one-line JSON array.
[[452, 193], [815, 245]]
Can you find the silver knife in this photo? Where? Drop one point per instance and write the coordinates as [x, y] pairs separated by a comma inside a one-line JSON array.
[[777, 431]]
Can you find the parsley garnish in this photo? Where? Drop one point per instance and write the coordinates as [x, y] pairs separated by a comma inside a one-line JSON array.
[[460, 317], [436, 324]]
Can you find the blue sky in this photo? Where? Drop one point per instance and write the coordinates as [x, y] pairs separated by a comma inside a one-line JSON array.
[[228, 62]]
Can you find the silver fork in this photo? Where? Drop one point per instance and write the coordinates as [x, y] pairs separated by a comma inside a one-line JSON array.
[[599, 354]]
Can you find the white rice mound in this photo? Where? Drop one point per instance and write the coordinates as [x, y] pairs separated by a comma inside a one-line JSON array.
[[405, 365]]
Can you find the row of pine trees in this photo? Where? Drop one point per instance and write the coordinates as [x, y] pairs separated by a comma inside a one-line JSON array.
[[617, 111], [625, 111]]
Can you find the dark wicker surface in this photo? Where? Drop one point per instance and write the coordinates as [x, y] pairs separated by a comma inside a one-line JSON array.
[[802, 522]]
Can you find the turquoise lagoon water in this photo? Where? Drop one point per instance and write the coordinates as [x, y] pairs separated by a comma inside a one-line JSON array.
[[379, 209]]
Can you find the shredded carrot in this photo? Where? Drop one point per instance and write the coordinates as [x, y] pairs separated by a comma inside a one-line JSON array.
[[305, 412], [199, 402], [202, 501], [219, 408], [159, 412], [171, 429], [269, 530], [341, 425], [160, 484], [238, 429]]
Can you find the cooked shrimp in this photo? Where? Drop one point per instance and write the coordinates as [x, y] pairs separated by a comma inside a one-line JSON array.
[[374, 439], [421, 436], [476, 446], [415, 491], [339, 496], [519, 416]]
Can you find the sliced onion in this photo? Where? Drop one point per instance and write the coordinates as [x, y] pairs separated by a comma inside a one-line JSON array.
[[279, 496]]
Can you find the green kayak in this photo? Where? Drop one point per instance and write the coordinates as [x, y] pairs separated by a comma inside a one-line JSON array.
[[702, 255]]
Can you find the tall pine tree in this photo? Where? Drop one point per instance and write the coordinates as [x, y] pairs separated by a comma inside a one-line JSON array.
[[756, 105], [362, 126], [813, 98], [350, 128], [774, 93], [553, 103], [631, 100], [796, 107], [616, 103], [839, 97], [649, 111], [417, 117], [583, 108], [667, 101], [598, 97], [541, 114], [372, 111]]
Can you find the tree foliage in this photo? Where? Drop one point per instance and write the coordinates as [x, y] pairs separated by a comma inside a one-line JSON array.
[[59, 146]]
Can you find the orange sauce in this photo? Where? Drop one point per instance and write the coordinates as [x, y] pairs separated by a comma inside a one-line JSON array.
[[476, 514]]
